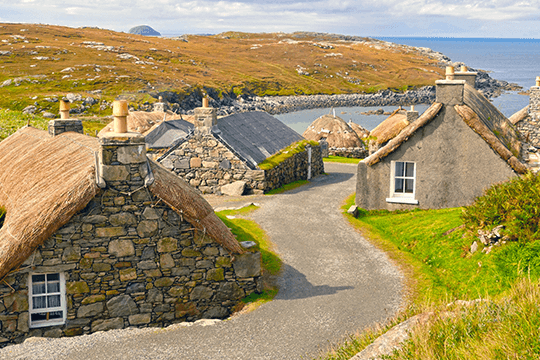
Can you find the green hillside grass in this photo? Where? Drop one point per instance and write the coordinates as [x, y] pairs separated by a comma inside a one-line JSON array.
[[45, 61]]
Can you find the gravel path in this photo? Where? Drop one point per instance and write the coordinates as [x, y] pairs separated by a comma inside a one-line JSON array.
[[333, 283]]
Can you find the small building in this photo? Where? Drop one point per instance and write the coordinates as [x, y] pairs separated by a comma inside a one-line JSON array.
[[341, 138], [97, 236], [221, 154], [447, 157]]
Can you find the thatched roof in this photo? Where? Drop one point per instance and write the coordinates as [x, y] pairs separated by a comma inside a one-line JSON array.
[[481, 116], [45, 181], [335, 130], [361, 131], [142, 121], [520, 115], [390, 127]]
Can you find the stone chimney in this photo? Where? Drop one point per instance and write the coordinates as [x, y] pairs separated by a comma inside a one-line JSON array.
[[468, 76], [122, 162], [412, 114], [205, 118], [64, 124], [534, 100], [161, 105], [450, 91]]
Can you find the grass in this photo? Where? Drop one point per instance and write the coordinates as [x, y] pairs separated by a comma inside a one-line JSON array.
[[218, 64], [247, 230], [11, 121], [285, 154], [341, 159], [287, 187], [432, 249]]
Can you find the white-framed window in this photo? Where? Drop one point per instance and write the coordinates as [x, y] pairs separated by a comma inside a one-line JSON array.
[[47, 299], [402, 183]]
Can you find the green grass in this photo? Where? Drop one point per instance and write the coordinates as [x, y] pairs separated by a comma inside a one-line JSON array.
[[287, 187], [2, 216], [285, 154], [248, 230], [12, 120], [432, 249], [341, 159]]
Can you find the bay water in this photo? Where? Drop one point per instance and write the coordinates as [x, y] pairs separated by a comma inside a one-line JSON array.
[[512, 60]]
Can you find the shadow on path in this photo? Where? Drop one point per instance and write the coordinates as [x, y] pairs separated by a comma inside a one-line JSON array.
[[298, 287]]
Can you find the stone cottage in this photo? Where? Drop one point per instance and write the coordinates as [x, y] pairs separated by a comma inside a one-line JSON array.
[[457, 148], [221, 154], [98, 237]]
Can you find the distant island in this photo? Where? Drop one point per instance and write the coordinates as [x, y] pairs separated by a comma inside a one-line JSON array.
[[144, 30]]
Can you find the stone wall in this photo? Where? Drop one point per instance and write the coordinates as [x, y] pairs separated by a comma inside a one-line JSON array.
[[206, 164], [294, 168], [529, 128], [358, 153]]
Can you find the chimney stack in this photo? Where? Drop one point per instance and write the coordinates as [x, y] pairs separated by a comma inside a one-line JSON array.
[[450, 91], [205, 118], [449, 73], [468, 76], [64, 124], [412, 114], [122, 158], [534, 100]]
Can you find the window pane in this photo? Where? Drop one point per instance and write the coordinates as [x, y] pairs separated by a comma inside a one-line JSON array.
[[399, 168], [409, 186], [54, 301], [38, 278], [39, 302], [56, 315], [399, 186], [38, 289], [409, 172], [53, 287], [53, 277], [38, 316]]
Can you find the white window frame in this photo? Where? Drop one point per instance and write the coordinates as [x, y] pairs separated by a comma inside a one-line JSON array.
[[62, 307], [398, 197]]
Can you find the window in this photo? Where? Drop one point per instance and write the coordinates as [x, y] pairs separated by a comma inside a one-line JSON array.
[[47, 293], [402, 183]]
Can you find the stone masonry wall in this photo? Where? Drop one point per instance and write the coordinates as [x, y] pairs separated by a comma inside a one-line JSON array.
[[206, 164], [129, 260], [294, 168], [529, 128], [358, 153]]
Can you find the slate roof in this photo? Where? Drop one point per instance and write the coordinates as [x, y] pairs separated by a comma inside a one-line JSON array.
[[168, 133], [255, 135]]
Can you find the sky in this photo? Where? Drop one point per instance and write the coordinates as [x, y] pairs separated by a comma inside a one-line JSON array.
[[428, 18]]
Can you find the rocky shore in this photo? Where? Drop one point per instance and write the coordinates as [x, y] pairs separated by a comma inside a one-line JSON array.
[[283, 104]]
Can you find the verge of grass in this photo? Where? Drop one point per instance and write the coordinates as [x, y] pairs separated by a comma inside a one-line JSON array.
[[248, 230], [341, 159], [285, 154], [287, 187], [12, 120]]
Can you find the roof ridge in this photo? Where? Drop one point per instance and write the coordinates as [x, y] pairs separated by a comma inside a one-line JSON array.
[[473, 121]]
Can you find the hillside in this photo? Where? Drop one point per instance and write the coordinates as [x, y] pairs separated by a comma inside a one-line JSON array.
[[40, 63]]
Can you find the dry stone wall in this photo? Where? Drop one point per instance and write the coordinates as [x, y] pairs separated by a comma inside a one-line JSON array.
[[206, 164], [358, 153]]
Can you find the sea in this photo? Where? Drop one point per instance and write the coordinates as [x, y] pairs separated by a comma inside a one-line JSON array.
[[512, 60]]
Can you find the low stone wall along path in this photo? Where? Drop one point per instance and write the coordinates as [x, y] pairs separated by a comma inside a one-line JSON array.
[[333, 283]]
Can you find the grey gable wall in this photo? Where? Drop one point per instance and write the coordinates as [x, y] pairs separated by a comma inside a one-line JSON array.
[[453, 166]]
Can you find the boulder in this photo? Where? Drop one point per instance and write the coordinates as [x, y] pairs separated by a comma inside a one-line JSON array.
[[234, 189]]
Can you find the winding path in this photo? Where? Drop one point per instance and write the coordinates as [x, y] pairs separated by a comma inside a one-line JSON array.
[[333, 283]]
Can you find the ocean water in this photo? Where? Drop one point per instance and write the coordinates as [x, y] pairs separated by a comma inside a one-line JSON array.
[[512, 60]]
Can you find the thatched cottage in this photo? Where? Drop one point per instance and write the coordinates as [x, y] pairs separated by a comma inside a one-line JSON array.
[[220, 155], [341, 138], [98, 237], [390, 128], [457, 148]]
